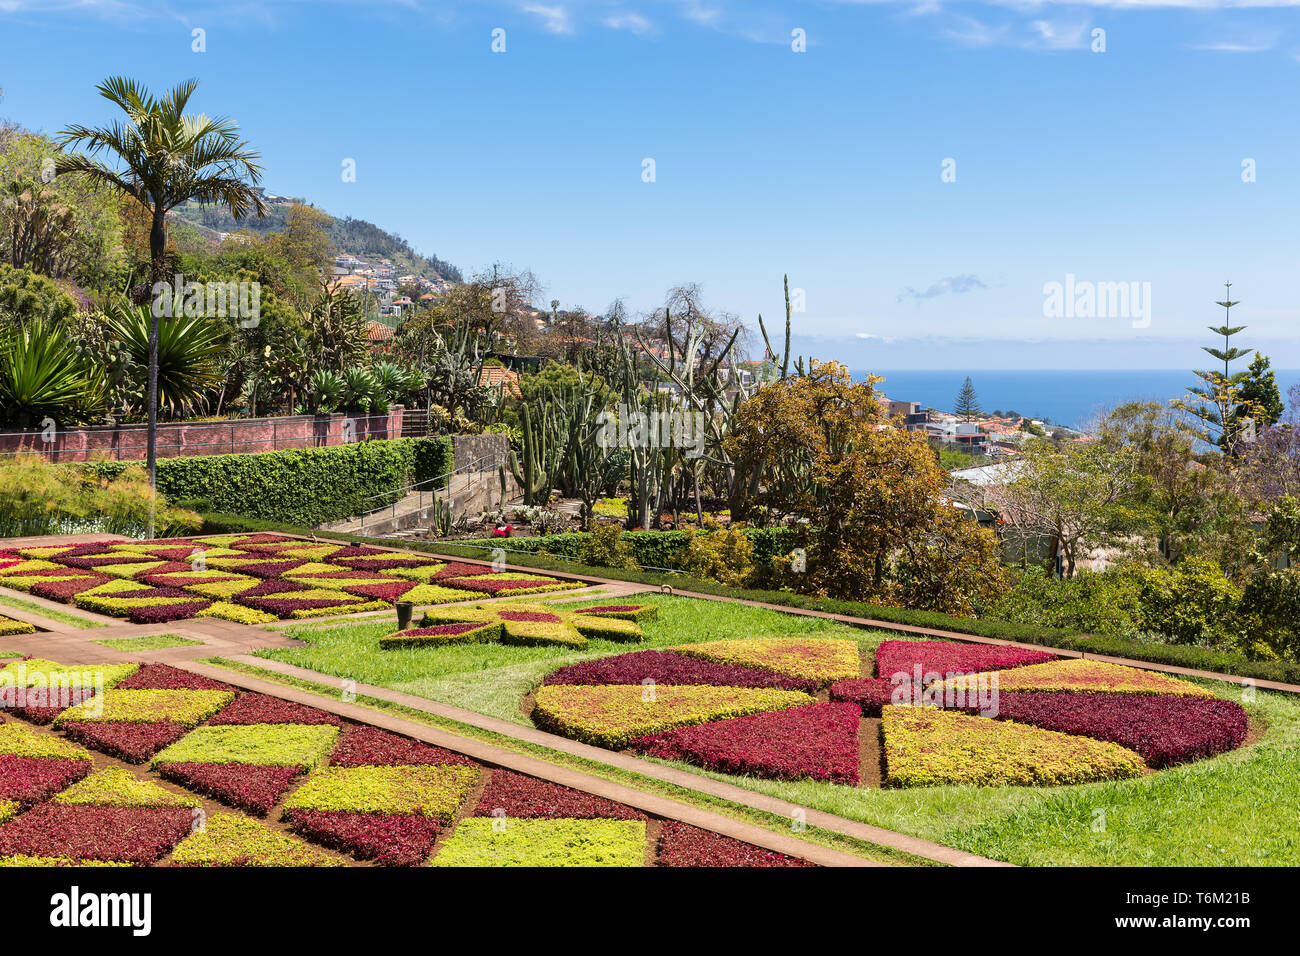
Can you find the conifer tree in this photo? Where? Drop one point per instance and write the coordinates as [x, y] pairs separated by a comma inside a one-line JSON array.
[[1219, 407], [967, 404]]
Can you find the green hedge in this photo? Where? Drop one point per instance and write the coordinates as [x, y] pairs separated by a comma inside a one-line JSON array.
[[650, 549], [304, 487]]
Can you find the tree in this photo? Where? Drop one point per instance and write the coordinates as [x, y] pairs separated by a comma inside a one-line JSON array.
[[165, 158], [1261, 402], [967, 404], [1218, 405]]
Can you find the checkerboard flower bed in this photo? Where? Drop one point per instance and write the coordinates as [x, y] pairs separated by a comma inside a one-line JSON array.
[[185, 707], [386, 839], [29, 780], [814, 742], [464, 632], [481, 842], [132, 742], [666, 667], [613, 715], [253, 708], [1163, 730], [821, 660], [365, 746], [156, 581], [520, 624], [278, 745], [432, 791], [681, 844], [925, 746], [949, 658], [39, 690], [230, 840], [115, 787], [514, 795], [253, 789], [1081, 674], [166, 677], [17, 740], [139, 835]]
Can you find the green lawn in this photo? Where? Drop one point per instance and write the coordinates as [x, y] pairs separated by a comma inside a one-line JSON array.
[[1237, 809], [150, 642], [493, 678]]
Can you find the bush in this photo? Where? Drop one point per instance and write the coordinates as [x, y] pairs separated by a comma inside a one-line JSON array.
[[604, 548], [1191, 603], [724, 555], [1095, 603], [303, 486]]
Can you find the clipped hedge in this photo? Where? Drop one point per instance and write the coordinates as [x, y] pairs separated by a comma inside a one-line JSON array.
[[300, 486], [651, 549]]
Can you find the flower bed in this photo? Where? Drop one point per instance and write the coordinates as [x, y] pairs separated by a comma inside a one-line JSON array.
[[185, 707], [681, 844], [925, 746], [666, 667], [166, 677], [134, 743], [139, 835], [1164, 730], [9, 626], [513, 795], [28, 780], [520, 624], [278, 745], [463, 632], [253, 789], [814, 742], [155, 581], [388, 840], [116, 787], [430, 790], [482, 842], [365, 746], [227, 839], [252, 708], [949, 658], [1080, 674], [870, 694], [613, 715], [821, 660]]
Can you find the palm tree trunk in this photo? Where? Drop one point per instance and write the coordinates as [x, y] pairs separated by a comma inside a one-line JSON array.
[[157, 253]]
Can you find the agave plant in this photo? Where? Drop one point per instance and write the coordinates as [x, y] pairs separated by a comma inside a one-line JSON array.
[[327, 390], [189, 353], [43, 376], [360, 390]]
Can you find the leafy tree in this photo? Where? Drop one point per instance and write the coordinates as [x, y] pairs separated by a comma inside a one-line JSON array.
[[1261, 402], [967, 403], [164, 158]]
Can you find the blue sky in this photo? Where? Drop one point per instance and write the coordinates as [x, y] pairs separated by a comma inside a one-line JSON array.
[[1115, 166]]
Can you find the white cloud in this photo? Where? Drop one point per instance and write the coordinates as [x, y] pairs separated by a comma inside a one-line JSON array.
[[632, 22], [555, 19]]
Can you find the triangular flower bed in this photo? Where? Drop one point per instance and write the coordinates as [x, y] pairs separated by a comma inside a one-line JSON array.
[[1079, 674], [510, 794], [820, 659], [949, 658], [253, 789], [816, 742], [681, 844]]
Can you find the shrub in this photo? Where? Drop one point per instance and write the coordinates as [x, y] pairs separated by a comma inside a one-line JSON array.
[[603, 547], [1191, 603], [1107, 603], [726, 555]]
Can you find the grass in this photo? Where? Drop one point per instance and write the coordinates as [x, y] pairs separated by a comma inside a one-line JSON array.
[[150, 642], [50, 614], [492, 679], [1235, 809]]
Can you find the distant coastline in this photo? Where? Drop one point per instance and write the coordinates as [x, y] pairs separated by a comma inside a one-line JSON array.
[[1068, 397]]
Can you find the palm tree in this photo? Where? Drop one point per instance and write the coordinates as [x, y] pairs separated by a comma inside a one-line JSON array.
[[164, 158]]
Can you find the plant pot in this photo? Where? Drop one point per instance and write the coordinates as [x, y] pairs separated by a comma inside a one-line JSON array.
[[404, 611]]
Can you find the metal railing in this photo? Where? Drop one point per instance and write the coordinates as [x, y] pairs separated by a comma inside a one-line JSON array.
[[474, 468]]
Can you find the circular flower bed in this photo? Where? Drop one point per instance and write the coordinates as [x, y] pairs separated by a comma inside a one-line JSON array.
[[936, 713]]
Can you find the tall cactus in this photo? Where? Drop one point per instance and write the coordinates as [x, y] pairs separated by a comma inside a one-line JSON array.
[[543, 451]]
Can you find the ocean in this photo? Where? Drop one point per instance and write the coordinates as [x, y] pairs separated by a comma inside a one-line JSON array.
[[1066, 397]]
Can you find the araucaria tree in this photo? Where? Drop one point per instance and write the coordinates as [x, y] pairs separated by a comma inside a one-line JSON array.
[[967, 403], [164, 157], [1219, 406]]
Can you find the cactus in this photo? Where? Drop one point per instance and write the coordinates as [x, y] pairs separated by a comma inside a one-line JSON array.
[[440, 518], [543, 450]]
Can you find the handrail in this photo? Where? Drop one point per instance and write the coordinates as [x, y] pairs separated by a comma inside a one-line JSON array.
[[448, 474], [474, 467]]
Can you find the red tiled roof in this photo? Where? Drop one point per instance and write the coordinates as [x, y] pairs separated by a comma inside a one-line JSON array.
[[378, 332]]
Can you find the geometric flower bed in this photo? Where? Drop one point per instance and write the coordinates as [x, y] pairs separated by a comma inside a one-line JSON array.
[[247, 578], [338, 788], [614, 715], [9, 626], [926, 746], [522, 624], [1074, 720]]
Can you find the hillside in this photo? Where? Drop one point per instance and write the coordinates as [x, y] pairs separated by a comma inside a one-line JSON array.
[[356, 236]]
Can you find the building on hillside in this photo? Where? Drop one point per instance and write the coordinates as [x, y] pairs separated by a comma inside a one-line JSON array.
[[965, 434], [915, 417], [502, 378], [378, 331]]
